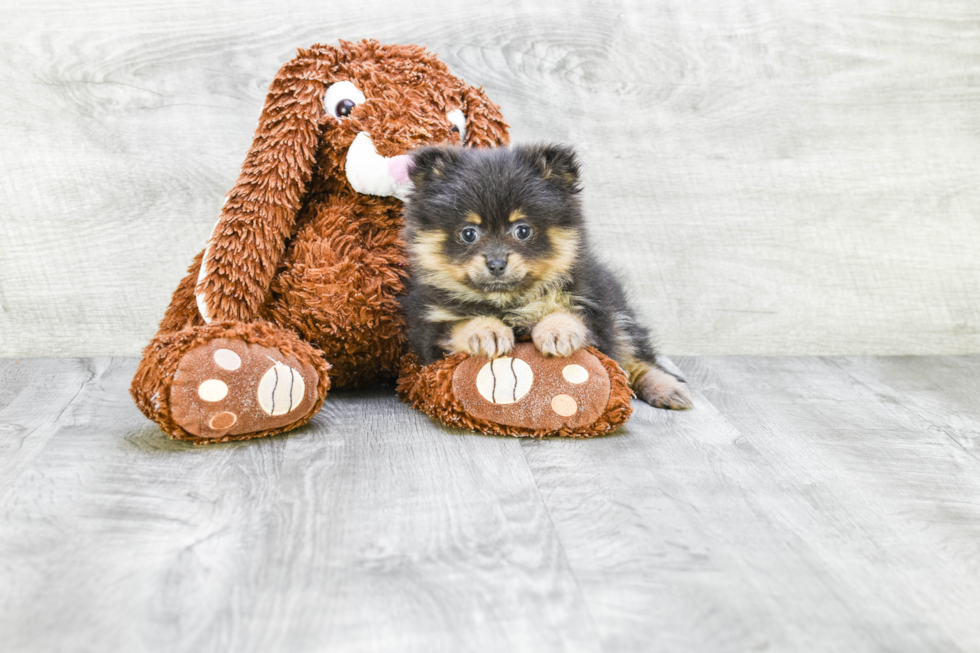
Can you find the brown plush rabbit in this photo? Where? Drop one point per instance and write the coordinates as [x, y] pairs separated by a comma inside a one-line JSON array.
[[296, 289]]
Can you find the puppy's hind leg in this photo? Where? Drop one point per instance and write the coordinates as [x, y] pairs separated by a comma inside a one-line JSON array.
[[658, 387]]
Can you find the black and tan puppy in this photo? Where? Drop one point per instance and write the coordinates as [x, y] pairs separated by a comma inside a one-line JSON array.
[[499, 251]]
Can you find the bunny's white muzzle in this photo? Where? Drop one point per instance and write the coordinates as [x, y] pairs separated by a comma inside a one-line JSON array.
[[372, 174]]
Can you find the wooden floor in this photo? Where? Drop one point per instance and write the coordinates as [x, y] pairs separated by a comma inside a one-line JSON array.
[[807, 504]]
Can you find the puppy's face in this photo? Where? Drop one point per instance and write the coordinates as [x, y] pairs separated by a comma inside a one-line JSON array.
[[493, 225]]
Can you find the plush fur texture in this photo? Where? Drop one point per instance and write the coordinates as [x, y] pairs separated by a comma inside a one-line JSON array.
[[429, 389], [500, 252], [155, 374], [298, 258]]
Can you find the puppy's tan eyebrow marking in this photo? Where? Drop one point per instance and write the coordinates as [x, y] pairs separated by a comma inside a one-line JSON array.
[[516, 215], [473, 217]]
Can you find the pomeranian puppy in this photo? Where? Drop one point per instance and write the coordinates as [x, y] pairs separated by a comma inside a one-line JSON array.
[[499, 252]]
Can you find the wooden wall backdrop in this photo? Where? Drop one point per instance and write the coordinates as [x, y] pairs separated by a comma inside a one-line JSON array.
[[773, 177]]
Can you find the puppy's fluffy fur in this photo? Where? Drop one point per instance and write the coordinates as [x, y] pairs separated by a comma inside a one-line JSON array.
[[499, 252]]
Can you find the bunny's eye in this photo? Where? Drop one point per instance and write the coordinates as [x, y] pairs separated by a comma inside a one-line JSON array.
[[344, 107], [341, 98], [458, 121]]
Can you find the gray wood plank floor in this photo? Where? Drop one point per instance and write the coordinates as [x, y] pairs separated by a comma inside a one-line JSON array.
[[817, 504]]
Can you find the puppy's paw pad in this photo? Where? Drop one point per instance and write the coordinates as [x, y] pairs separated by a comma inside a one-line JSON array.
[[482, 336], [663, 390], [558, 343], [675, 399], [491, 342], [559, 334]]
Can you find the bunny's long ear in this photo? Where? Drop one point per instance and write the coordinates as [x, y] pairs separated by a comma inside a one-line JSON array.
[[485, 126], [259, 214]]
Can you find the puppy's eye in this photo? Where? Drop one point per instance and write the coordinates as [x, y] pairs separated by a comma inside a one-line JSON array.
[[341, 98], [522, 232], [469, 235], [458, 121]]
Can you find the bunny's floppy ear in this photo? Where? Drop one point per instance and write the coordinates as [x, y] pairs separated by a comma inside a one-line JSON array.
[[485, 126], [260, 211]]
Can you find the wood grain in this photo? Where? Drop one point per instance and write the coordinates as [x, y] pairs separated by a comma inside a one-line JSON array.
[[370, 530], [940, 392], [892, 502], [797, 508], [37, 398], [417, 539], [793, 177], [116, 538], [817, 504]]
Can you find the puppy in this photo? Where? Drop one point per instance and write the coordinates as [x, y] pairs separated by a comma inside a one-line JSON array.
[[499, 252]]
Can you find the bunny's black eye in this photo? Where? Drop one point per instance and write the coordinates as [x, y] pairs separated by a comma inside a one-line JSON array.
[[341, 98], [344, 107], [469, 235], [522, 232]]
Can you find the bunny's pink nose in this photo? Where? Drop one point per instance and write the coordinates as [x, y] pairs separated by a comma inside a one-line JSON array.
[[398, 167]]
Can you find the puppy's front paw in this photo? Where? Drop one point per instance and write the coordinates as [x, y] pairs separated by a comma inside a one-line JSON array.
[[663, 390], [560, 334], [482, 336]]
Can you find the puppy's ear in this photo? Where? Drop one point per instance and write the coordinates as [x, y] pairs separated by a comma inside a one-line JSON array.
[[554, 163], [433, 163]]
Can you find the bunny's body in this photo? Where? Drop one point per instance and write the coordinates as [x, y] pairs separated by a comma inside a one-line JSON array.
[[296, 290]]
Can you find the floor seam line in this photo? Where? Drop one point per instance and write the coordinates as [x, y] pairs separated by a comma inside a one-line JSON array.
[[561, 544], [8, 495], [905, 406]]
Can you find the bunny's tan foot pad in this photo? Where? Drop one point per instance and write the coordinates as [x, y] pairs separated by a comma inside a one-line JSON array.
[[530, 391], [227, 387], [523, 394]]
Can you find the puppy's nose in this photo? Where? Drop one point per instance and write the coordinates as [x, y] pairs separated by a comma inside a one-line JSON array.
[[496, 266]]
